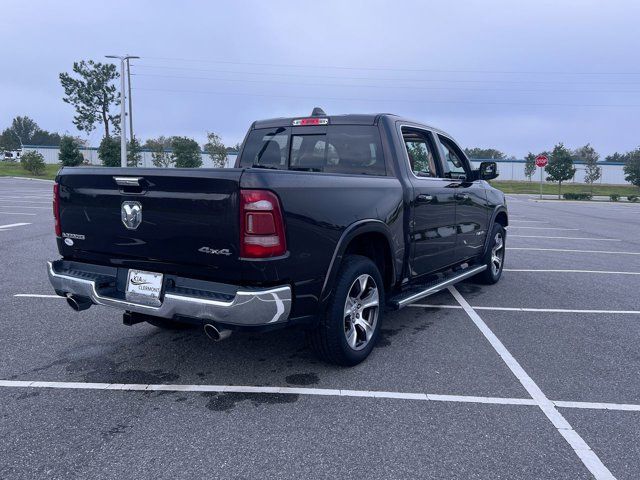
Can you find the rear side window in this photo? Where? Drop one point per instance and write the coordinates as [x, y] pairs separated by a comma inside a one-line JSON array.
[[351, 149], [266, 148]]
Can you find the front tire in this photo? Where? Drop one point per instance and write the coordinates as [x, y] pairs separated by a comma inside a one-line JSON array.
[[494, 258], [350, 327]]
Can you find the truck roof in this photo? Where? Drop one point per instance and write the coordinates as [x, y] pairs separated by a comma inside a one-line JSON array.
[[347, 119]]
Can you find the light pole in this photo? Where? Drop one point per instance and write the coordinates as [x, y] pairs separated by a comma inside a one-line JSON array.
[[123, 114]]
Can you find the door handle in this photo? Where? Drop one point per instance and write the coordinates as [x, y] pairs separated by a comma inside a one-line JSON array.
[[461, 196], [424, 198]]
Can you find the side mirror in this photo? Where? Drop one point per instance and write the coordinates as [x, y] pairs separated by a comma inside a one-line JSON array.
[[488, 171]]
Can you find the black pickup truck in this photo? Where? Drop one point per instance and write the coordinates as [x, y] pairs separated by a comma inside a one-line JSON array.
[[324, 223]]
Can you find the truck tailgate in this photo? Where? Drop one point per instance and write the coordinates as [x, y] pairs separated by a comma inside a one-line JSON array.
[[187, 217]]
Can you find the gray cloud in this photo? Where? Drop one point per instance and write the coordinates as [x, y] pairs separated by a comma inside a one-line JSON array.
[[518, 76]]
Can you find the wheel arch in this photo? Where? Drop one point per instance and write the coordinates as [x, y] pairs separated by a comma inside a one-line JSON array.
[[370, 238], [499, 215]]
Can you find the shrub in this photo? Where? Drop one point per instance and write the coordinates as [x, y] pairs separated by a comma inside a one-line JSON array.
[[70, 155], [633, 198], [134, 153], [109, 151], [614, 197], [185, 152], [577, 196], [33, 162]]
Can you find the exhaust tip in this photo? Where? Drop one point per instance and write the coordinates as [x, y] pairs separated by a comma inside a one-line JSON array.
[[216, 334], [78, 303]]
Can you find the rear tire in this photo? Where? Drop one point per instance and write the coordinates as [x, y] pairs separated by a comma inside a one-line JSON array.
[[350, 326], [494, 258]]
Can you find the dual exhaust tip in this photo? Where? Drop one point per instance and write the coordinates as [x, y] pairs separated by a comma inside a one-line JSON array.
[[214, 333], [78, 303]]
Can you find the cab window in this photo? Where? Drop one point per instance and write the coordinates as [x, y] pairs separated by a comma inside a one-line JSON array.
[[454, 159], [420, 153]]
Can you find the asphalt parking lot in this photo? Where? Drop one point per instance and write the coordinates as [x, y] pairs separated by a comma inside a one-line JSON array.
[[535, 377]]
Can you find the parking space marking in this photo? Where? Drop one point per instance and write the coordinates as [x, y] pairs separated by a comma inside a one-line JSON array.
[[580, 447], [571, 250], [608, 272], [12, 225], [541, 228], [328, 392], [17, 213], [567, 238], [524, 309], [512, 220], [36, 295], [24, 206]]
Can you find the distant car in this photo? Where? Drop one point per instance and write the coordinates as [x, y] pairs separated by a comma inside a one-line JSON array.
[[324, 222], [12, 156]]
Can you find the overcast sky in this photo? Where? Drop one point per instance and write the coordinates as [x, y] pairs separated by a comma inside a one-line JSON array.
[[517, 76]]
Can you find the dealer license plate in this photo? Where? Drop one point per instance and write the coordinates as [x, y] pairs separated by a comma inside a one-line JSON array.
[[144, 287]]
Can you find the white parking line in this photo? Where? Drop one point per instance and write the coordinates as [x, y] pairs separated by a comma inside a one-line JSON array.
[[524, 309], [568, 238], [571, 250], [541, 228], [607, 272], [329, 392], [23, 206], [580, 447], [512, 220], [36, 295], [18, 213], [11, 225]]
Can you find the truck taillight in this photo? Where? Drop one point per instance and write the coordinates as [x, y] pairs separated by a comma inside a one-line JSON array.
[[56, 209], [261, 225]]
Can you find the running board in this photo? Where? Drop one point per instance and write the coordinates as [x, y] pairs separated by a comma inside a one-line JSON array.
[[422, 291]]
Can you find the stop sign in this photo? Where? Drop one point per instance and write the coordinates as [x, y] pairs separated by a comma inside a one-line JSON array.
[[541, 161]]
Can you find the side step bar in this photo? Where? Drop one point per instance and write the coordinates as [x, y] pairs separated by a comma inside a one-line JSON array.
[[423, 291]]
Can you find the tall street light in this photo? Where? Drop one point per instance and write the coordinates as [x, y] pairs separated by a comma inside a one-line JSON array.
[[123, 114]]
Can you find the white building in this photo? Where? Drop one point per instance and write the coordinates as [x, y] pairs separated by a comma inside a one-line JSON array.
[[612, 172]]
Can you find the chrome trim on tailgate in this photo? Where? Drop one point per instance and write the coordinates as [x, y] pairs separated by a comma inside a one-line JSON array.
[[248, 307]]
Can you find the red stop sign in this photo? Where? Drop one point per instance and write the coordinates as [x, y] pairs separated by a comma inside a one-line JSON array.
[[541, 161]]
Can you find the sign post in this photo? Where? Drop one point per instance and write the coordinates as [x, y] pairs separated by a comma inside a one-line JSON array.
[[541, 162]]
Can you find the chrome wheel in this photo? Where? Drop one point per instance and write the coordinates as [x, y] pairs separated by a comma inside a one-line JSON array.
[[361, 312], [497, 254]]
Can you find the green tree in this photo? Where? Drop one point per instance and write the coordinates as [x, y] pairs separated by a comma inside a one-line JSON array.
[[590, 157], [25, 131], [560, 167], [92, 92], [632, 167], [616, 157], [9, 140], [160, 154], [216, 150], [33, 162], [109, 151], [186, 152], [70, 155], [485, 153], [420, 157], [134, 153], [529, 165]]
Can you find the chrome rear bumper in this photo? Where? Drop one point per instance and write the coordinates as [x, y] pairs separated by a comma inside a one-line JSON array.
[[234, 306]]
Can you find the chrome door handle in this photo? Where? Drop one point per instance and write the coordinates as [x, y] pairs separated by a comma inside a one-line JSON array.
[[424, 198], [461, 196]]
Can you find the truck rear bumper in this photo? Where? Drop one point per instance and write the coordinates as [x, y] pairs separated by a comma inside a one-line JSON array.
[[208, 301]]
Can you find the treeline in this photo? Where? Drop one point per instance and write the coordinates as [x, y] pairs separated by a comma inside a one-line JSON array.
[[25, 131], [561, 166]]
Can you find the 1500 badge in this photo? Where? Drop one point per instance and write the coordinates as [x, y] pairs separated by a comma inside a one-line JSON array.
[[213, 251]]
